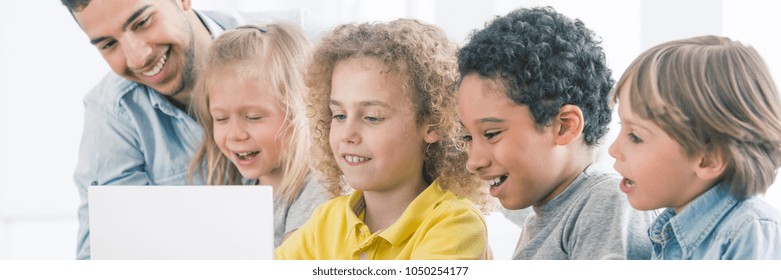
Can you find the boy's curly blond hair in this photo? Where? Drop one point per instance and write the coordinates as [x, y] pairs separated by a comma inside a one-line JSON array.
[[425, 59]]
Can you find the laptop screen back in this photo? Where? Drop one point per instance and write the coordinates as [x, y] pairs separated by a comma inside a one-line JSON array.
[[181, 222]]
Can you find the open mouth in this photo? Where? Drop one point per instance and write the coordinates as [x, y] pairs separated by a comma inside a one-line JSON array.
[[247, 155], [627, 185], [158, 67], [496, 182]]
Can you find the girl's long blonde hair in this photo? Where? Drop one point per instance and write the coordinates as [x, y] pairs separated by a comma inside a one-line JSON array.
[[274, 55]]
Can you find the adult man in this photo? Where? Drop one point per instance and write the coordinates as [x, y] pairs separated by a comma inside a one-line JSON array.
[[137, 130]]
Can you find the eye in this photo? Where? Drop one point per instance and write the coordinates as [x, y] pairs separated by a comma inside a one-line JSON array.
[[373, 119], [108, 44], [253, 118], [219, 119], [142, 23], [634, 138], [491, 134], [339, 117], [466, 138]]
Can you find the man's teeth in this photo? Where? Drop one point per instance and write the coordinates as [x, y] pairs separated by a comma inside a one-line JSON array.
[[158, 67], [246, 155], [354, 159]]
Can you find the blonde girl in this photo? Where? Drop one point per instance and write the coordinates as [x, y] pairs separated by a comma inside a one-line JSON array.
[[249, 100]]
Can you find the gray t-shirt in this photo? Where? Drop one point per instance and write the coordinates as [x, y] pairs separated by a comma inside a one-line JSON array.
[[290, 216], [591, 219]]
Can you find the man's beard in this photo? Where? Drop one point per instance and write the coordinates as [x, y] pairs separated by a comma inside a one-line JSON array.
[[188, 71]]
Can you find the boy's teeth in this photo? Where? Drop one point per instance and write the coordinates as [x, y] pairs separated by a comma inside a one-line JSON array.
[[495, 181], [158, 67], [629, 183]]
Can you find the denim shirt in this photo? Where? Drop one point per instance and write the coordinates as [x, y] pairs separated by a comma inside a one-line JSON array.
[[716, 225], [132, 136]]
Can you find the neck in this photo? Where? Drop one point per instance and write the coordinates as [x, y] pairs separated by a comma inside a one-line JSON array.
[[383, 208], [180, 100], [201, 41], [273, 179], [578, 160]]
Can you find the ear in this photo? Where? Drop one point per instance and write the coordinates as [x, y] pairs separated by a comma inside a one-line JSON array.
[[568, 125], [430, 133], [711, 166], [186, 5]]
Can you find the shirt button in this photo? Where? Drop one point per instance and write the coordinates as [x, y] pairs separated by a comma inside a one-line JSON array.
[[362, 255]]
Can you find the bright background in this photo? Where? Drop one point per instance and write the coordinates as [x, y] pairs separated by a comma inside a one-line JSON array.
[[47, 66]]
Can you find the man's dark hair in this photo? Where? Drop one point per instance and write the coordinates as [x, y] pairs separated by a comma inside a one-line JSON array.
[[545, 60], [75, 5]]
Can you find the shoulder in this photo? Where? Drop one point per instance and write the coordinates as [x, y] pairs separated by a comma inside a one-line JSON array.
[[600, 197], [331, 207], [752, 214], [109, 92], [601, 186], [462, 208], [312, 189]]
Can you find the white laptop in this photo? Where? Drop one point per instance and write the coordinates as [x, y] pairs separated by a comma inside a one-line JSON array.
[[181, 222]]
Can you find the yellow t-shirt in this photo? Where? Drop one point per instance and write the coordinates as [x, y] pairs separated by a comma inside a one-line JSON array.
[[436, 225]]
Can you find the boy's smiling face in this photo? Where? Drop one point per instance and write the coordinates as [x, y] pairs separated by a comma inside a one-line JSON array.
[[519, 161], [657, 173], [374, 137]]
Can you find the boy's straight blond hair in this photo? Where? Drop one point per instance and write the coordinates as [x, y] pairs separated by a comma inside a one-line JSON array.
[[716, 98], [274, 55]]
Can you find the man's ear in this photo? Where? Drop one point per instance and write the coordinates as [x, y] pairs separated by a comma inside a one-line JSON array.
[[568, 125], [711, 165], [430, 133], [186, 5]]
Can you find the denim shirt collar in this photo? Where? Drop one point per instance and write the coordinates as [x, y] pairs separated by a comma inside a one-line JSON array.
[[161, 103], [695, 222]]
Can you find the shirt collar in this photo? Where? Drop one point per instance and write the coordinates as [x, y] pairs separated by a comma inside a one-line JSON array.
[[690, 227], [420, 208]]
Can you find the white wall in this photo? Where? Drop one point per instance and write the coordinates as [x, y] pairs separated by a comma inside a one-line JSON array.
[[47, 65]]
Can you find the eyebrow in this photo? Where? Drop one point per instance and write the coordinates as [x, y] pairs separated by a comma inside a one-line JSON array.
[[363, 103], [490, 120], [127, 23]]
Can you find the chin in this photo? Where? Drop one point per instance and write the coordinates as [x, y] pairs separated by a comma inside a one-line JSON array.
[[512, 205]]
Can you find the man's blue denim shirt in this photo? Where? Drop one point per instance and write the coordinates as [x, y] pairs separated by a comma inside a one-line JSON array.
[[132, 136], [716, 225]]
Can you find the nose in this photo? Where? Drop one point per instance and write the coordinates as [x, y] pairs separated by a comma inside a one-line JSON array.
[[478, 157], [348, 132], [137, 53], [614, 150], [237, 131]]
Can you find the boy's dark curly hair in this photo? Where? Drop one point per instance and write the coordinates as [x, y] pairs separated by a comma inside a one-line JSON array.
[[75, 5], [545, 60]]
